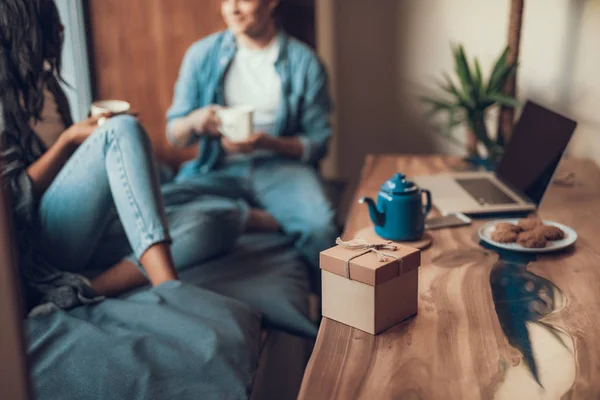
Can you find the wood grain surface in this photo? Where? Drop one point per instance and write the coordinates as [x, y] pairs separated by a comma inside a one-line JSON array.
[[463, 343]]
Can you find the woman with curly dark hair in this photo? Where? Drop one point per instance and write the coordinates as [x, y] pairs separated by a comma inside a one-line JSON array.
[[73, 185]]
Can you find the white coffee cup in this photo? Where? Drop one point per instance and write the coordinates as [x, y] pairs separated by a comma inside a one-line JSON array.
[[236, 122], [115, 107]]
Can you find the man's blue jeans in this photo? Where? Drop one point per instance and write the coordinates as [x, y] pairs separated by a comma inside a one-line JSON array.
[[292, 192]]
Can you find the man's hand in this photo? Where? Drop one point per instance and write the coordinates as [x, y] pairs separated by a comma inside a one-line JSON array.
[[259, 140], [205, 122]]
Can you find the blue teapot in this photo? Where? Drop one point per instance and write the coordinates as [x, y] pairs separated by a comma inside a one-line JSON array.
[[399, 213]]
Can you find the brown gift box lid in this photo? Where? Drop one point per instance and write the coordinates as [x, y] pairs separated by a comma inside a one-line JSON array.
[[367, 268]]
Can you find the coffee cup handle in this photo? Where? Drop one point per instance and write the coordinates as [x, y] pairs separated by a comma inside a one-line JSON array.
[[427, 206]]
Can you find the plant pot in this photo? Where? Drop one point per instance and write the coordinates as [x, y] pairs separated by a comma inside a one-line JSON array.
[[471, 143], [474, 159], [481, 163]]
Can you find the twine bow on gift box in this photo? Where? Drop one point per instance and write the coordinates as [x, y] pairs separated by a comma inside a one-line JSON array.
[[366, 247]]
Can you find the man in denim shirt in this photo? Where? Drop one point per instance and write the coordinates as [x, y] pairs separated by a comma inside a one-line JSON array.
[[255, 64]]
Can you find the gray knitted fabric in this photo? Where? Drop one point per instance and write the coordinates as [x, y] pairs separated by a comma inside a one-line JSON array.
[[44, 283]]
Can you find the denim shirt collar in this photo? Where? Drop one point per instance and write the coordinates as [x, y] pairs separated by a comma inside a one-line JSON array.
[[229, 46]]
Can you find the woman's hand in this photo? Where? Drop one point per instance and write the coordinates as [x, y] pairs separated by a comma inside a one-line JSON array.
[[256, 141], [77, 133], [204, 121], [43, 171], [290, 147]]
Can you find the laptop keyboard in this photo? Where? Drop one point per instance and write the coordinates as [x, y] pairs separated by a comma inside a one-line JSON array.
[[485, 191]]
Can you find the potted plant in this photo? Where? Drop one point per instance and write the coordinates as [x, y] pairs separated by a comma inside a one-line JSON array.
[[470, 101]]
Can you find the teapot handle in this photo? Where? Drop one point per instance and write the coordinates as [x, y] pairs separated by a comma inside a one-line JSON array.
[[427, 206]]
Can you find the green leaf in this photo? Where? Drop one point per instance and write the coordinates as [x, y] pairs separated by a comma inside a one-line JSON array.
[[499, 67], [479, 78], [437, 105], [464, 73], [450, 87], [501, 61], [440, 83], [479, 128], [437, 102], [456, 121], [504, 100], [460, 97], [462, 66], [486, 102], [505, 75]]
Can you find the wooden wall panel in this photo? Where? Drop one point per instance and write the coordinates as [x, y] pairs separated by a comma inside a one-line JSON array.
[[136, 49]]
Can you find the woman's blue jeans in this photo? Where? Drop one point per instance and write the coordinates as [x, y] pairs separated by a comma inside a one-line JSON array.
[[106, 204]]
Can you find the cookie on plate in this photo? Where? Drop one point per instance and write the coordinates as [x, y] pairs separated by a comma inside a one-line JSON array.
[[504, 236], [506, 226], [532, 239], [551, 232], [529, 224]]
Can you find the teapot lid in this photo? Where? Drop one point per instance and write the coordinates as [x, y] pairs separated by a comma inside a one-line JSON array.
[[398, 184]]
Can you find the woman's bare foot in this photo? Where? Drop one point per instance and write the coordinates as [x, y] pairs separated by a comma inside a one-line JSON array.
[[261, 221]]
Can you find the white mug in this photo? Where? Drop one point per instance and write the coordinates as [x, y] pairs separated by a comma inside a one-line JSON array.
[[236, 122], [115, 107]]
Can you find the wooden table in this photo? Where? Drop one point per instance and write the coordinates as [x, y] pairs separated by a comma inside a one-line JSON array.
[[479, 321]]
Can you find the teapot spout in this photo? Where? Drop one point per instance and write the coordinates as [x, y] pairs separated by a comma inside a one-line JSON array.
[[377, 216]]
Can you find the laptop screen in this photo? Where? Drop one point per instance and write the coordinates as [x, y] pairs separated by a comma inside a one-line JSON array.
[[534, 151]]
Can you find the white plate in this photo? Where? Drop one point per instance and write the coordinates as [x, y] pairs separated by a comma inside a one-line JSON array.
[[485, 233]]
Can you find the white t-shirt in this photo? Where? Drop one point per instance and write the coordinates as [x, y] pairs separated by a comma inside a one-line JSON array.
[[252, 80]]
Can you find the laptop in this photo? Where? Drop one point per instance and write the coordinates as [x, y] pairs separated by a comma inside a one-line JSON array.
[[522, 177], [14, 375]]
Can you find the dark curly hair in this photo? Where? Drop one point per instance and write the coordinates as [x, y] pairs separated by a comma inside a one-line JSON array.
[[31, 41]]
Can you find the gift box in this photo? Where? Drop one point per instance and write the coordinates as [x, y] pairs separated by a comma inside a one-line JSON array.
[[370, 285]]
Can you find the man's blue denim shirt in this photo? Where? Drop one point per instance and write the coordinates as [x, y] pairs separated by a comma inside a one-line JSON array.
[[304, 110]]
